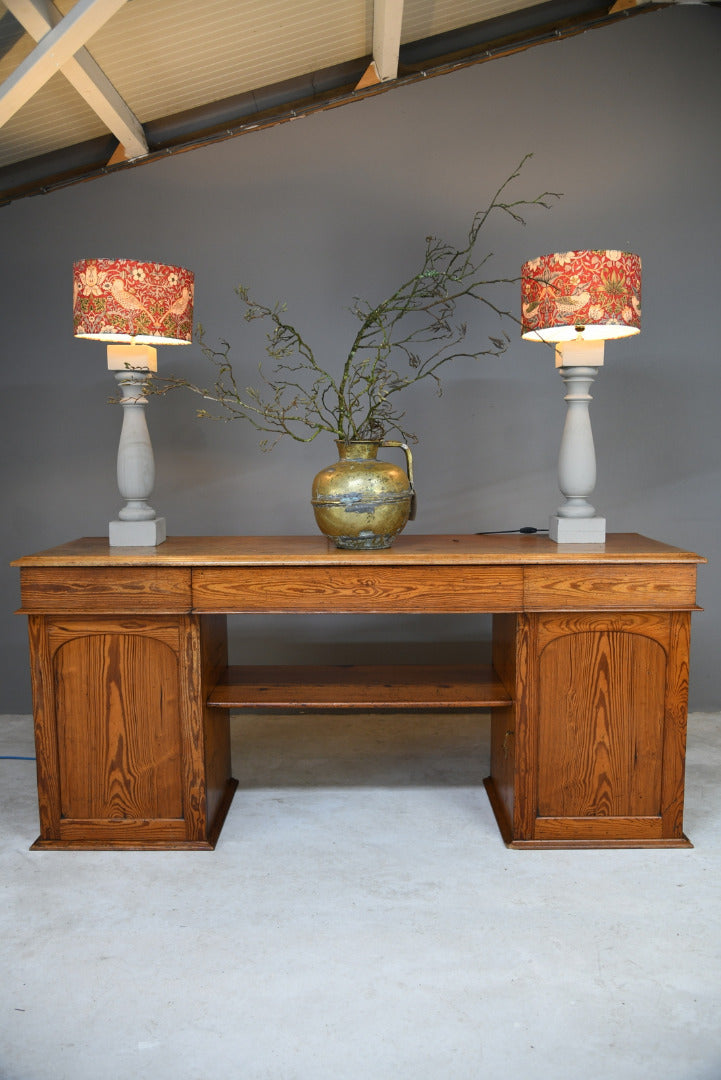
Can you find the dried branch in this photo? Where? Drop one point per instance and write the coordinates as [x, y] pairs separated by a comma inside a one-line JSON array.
[[403, 340]]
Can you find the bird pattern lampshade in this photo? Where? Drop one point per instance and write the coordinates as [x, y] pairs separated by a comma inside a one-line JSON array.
[[593, 293], [121, 300]]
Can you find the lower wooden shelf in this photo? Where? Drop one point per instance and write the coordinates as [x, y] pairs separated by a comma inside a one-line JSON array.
[[364, 688]]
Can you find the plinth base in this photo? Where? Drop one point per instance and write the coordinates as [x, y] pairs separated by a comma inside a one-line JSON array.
[[577, 530], [575, 837], [137, 533]]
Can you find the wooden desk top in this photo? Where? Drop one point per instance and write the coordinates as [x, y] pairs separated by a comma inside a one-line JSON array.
[[441, 550]]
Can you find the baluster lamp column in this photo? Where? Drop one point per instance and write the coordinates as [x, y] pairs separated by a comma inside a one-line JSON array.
[[577, 300], [133, 306]]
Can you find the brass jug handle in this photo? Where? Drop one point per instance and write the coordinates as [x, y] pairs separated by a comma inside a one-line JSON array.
[[409, 469]]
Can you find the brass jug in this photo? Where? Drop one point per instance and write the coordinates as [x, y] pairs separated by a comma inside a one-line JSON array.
[[361, 503]]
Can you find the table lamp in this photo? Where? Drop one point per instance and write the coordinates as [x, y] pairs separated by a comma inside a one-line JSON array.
[[576, 300], [133, 306]]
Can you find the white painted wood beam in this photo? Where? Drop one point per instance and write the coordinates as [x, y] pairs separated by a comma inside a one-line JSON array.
[[56, 47], [387, 22], [38, 17]]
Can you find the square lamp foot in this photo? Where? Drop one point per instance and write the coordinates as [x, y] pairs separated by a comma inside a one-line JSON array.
[[137, 533], [577, 530]]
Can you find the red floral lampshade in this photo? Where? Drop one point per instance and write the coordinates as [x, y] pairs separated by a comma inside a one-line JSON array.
[[595, 293], [126, 301]]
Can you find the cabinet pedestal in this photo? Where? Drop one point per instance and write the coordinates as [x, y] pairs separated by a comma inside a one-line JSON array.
[[591, 752], [128, 753]]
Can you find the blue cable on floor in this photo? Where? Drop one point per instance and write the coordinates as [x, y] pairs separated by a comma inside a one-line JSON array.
[[14, 757]]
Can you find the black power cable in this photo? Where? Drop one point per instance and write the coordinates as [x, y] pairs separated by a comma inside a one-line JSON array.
[[503, 532]]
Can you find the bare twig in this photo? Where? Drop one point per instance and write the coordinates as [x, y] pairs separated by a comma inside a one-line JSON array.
[[404, 339]]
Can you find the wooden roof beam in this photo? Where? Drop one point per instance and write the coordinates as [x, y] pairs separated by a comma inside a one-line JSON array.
[[38, 17], [387, 23], [55, 49]]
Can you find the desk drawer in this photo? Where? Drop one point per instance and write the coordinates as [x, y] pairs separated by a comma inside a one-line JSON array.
[[610, 588], [110, 589], [392, 589]]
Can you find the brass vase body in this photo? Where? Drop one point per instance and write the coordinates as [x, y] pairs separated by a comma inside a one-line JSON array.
[[362, 503]]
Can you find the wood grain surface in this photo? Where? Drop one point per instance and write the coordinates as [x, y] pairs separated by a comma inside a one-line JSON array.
[[367, 688], [117, 723], [105, 589], [589, 685], [129, 755], [601, 736], [634, 588], [347, 589], [431, 550], [674, 744]]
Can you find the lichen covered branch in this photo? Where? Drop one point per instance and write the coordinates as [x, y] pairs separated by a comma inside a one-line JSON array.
[[403, 340]]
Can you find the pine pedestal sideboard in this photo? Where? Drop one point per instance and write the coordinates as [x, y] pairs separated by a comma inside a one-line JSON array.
[[588, 685]]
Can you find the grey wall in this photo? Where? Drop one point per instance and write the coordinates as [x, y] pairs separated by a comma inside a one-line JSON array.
[[625, 121]]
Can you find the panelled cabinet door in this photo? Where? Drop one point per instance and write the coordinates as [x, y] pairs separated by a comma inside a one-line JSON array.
[[118, 728], [600, 734], [128, 753], [592, 752]]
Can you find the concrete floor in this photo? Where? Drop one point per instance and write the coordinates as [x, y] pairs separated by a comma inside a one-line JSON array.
[[361, 918]]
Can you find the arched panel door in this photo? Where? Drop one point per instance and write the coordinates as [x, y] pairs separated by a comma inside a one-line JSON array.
[[118, 728], [600, 726]]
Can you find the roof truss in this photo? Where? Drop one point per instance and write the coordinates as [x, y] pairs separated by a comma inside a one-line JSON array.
[[61, 47], [393, 62]]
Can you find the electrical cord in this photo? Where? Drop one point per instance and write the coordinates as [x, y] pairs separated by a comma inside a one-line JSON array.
[[15, 757], [502, 532]]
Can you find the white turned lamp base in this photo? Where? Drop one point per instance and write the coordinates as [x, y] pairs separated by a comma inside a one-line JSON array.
[[577, 300], [576, 521], [136, 524], [137, 533], [577, 530]]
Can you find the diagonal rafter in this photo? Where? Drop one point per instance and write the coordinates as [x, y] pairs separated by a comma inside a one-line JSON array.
[[56, 51], [39, 17]]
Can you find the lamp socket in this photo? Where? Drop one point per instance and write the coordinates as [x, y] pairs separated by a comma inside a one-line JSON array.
[[580, 353], [137, 357]]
